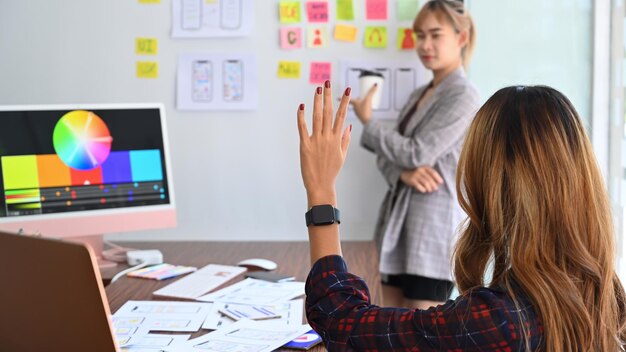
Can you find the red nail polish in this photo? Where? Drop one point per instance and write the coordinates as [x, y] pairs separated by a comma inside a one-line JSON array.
[[375, 84], [301, 107], [348, 90], [327, 84], [350, 127], [319, 90]]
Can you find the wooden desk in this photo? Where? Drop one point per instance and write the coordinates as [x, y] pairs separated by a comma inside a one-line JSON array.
[[292, 258]]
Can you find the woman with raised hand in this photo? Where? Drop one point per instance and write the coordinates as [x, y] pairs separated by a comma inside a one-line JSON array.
[[538, 216], [420, 214]]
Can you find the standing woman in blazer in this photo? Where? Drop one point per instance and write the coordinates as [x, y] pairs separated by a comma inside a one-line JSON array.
[[419, 216]]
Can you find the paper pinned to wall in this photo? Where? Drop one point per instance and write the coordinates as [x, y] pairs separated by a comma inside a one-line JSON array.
[[320, 72], [149, 1], [211, 19], [375, 37], [317, 37], [147, 69], [406, 39], [345, 10], [407, 9], [289, 69], [146, 46], [317, 11], [289, 11], [216, 82], [345, 33], [376, 10], [290, 38]]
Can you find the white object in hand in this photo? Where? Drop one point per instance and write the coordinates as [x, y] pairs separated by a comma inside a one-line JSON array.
[[367, 79]]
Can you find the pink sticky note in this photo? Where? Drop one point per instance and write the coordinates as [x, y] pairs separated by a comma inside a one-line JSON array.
[[290, 38], [376, 10], [317, 11], [320, 72]]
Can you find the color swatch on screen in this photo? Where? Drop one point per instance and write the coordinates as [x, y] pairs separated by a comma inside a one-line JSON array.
[[82, 140]]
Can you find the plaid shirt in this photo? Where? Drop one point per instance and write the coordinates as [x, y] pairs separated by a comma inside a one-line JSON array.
[[338, 308]]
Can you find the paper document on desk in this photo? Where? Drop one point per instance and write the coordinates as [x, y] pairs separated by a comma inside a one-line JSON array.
[[136, 317], [290, 314], [202, 281], [256, 292], [246, 335], [151, 342]]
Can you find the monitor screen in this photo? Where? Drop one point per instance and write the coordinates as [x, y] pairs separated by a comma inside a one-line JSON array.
[[81, 170]]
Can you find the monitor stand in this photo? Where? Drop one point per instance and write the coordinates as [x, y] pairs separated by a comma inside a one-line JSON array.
[[97, 244]]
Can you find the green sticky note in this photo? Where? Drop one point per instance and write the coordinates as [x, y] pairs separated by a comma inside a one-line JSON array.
[[289, 11], [375, 37], [407, 9], [345, 10]]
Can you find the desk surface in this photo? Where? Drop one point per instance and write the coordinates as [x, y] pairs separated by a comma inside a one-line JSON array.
[[292, 258]]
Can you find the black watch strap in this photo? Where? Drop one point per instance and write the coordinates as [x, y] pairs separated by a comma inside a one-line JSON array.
[[320, 215]]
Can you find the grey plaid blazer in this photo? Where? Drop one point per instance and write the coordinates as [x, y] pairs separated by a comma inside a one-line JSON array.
[[416, 231]]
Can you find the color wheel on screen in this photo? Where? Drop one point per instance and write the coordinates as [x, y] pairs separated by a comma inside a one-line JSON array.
[[82, 140]]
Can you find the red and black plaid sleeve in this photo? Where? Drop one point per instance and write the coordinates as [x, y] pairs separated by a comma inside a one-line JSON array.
[[338, 308]]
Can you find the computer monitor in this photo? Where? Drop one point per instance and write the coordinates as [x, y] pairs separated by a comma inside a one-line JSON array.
[[81, 171]]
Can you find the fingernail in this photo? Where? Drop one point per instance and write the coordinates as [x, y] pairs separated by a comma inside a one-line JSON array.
[[375, 84], [327, 84], [301, 107], [348, 90], [350, 124], [319, 90]]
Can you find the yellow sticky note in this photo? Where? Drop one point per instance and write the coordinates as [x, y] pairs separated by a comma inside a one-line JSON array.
[[375, 37], [406, 39], [289, 11], [147, 69], [149, 1], [345, 33], [146, 46], [288, 69]]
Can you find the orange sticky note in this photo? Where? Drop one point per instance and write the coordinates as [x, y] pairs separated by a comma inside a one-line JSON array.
[[345, 33], [320, 72]]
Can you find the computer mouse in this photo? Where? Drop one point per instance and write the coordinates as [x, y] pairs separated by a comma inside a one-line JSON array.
[[258, 264]]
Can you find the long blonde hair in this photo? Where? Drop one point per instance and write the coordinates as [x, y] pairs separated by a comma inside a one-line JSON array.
[[452, 12], [538, 210]]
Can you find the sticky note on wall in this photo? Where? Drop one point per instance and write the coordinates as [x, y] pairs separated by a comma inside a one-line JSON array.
[[289, 11], [289, 69], [146, 46], [407, 9], [406, 39], [317, 11], [375, 37], [317, 37], [345, 33], [147, 69], [320, 72], [376, 9], [345, 10], [149, 1], [290, 38]]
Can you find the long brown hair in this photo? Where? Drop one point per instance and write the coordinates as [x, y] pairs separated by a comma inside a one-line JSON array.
[[454, 13], [538, 213]]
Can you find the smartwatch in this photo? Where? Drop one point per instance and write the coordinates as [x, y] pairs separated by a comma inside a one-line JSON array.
[[320, 215]]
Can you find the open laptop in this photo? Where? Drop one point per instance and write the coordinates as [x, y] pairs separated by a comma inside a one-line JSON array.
[[51, 297]]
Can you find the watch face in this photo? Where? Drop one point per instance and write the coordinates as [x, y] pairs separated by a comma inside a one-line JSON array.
[[323, 215]]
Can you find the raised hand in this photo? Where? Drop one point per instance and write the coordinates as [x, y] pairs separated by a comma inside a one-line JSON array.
[[323, 153], [363, 105]]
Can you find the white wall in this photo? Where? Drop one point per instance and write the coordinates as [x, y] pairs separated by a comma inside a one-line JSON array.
[[236, 174]]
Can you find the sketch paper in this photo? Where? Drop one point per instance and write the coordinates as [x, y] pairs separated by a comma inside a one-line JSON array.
[[291, 314], [257, 292], [247, 335], [149, 342], [219, 82], [401, 78], [146, 316], [211, 19]]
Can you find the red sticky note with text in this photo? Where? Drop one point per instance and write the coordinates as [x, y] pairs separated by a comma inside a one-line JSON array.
[[376, 10], [317, 11], [320, 72]]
